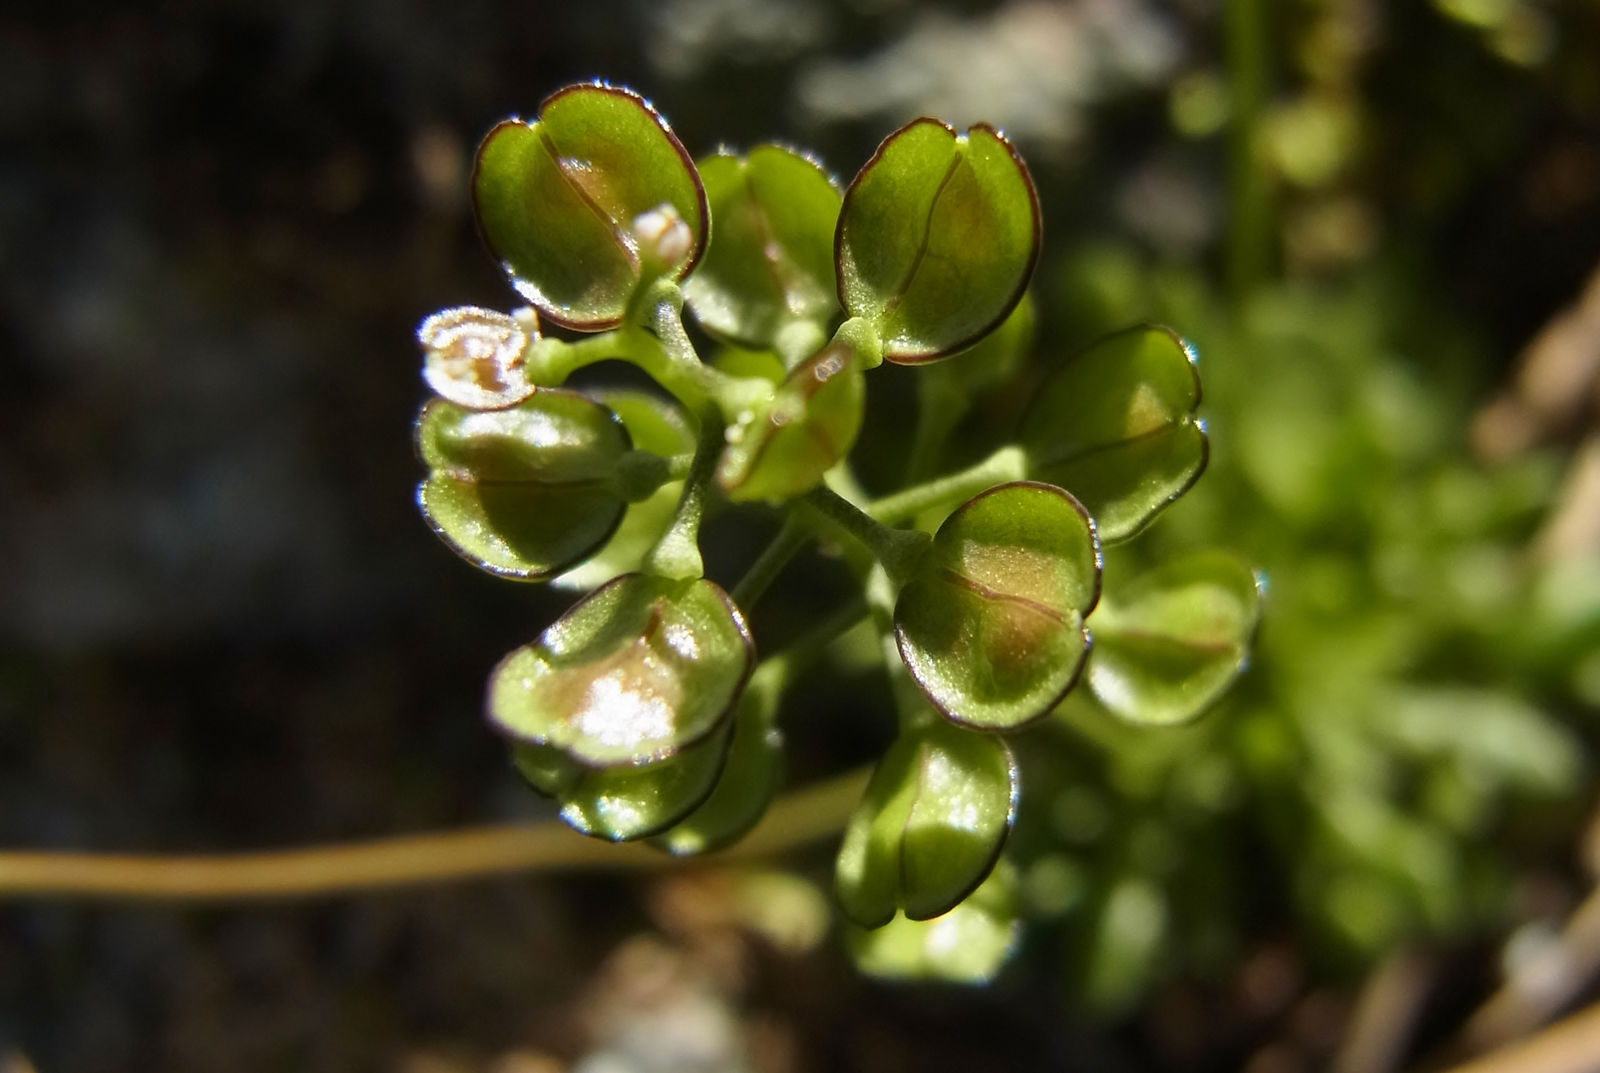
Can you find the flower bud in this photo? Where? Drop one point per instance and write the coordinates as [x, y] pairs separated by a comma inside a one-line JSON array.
[[663, 236], [473, 357]]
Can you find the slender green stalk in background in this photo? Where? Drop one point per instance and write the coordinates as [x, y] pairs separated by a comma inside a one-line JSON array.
[[1250, 218], [799, 818]]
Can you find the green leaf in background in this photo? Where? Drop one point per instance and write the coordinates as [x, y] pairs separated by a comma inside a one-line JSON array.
[[991, 625], [1115, 426], [770, 260], [1484, 737], [783, 449], [929, 827], [967, 945], [1130, 918], [1171, 642], [473, 357], [557, 200], [937, 237], [522, 493], [749, 779], [634, 672], [657, 425]]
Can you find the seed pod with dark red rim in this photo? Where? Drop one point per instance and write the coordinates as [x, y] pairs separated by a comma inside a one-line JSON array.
[[636, 671], [558, 199], [1116, 427], [937, 238], [782, 449], [770, 261], [1172, 641], [991, 625], [522, 493], [930, 826]]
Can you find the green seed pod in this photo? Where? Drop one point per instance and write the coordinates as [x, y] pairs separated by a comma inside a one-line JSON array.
[[522, 493], [991, 625], [929, 827], [1173, 641], [782, 449], [1115, 426], [748, 781], [621, 804], [937, 237], [579, 204], [661, 427], [770, 260], [967, 945], [636, 671]]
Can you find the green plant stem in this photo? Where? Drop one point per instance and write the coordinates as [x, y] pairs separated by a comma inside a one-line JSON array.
[[665, 304], [881, 593], [899, 550], [551, 362], [861, 336], [680, 466], [1250, 232], [797, 818], [681, 363], [768, 565], [677, 554], [662, 349], [939, 409], [1006, 464], [842, 479]]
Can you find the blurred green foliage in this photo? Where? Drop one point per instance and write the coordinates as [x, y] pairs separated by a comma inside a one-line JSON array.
[[1413, 727], [1414, 730]]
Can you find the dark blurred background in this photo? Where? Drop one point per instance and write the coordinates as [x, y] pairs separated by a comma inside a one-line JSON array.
[[223, 625]]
